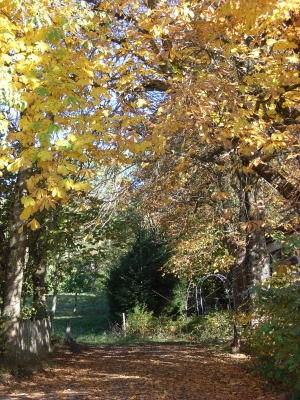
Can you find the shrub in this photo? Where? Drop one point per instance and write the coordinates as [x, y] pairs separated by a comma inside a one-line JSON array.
[[140, 323], [214, 325], [273, 336]]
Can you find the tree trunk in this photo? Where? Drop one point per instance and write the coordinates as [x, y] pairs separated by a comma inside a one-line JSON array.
[[252, 262], [241, 279], [258, 259], [54, 299], [16, 260], [39, 291]]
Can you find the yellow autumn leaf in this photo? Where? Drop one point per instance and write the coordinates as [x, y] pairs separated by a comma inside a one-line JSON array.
[[41, 193], [67, 184], [26, 213], [71, 167], [28, 201], [160, 110], [47, 203], [61, 169], [58, 192], [284, 45], [144, 145], [141, 103], [82, 186], [270, 42], [34, 224], [15, 166], [18, 163], [45, 155]]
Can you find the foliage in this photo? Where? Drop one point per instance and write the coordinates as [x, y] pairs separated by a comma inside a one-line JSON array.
[[56, 113], [229, 124], [138, 279], [212, 327], [78, 281], [201, 249], [202, 96], [140, 323], [90, 324], [273, 336]]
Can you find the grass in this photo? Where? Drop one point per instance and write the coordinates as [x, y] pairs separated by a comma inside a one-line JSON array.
[[90, 322]]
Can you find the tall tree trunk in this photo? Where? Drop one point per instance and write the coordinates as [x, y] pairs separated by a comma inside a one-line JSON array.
[[257, 258], [240, 250], [252, 262], [15, 264]]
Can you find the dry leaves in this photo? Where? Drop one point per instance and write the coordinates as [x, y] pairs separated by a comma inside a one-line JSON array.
[[152, 372]]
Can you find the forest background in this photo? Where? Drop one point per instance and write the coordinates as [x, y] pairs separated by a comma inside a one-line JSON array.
[[168, 126]]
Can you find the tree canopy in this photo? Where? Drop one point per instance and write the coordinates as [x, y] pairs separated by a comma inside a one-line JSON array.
[[190, 109]]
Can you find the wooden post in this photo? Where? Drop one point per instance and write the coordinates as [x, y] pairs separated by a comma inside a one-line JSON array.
[[75, 304], [68, 339], [124, 325], [236, 345], [53, 308]]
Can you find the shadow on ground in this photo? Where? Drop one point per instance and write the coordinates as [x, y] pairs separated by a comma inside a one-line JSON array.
[[150, 372]]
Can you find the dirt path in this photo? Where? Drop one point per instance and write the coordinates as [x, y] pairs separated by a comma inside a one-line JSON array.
[[152, 372]]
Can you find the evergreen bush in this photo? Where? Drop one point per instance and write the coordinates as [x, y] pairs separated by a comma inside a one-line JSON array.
[[138, 280]]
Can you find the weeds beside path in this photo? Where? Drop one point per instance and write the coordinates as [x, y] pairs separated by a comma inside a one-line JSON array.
[[150, 372]]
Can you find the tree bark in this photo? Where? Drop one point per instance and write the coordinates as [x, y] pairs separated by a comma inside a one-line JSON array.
[[39, 291], [252, 262], [15, 265], [257, 258], [286, 188], [240, 251]]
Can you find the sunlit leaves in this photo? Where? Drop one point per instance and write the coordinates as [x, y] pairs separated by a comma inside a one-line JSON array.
[[28, 201], [34, 224], [234, 86], [42, 91], [26, 213], [64, 79]]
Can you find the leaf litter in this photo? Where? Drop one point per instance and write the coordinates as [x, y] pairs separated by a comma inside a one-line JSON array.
[[149, 372]]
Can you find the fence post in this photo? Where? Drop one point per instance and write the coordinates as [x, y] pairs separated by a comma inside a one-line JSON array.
[[124, 325], [53, 309], [75, 304], [68, 339]]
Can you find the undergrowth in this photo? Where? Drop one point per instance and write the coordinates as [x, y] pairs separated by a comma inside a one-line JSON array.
[[91, 324], [142, 326], [273, 334]]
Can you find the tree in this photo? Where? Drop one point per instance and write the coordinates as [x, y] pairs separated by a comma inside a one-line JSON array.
[[138, 280], [232, 108], [93, 84], [57, 118]]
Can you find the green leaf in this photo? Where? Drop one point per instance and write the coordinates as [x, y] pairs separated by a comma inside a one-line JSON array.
[[54, 128], [42, 91], [54, 35]]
